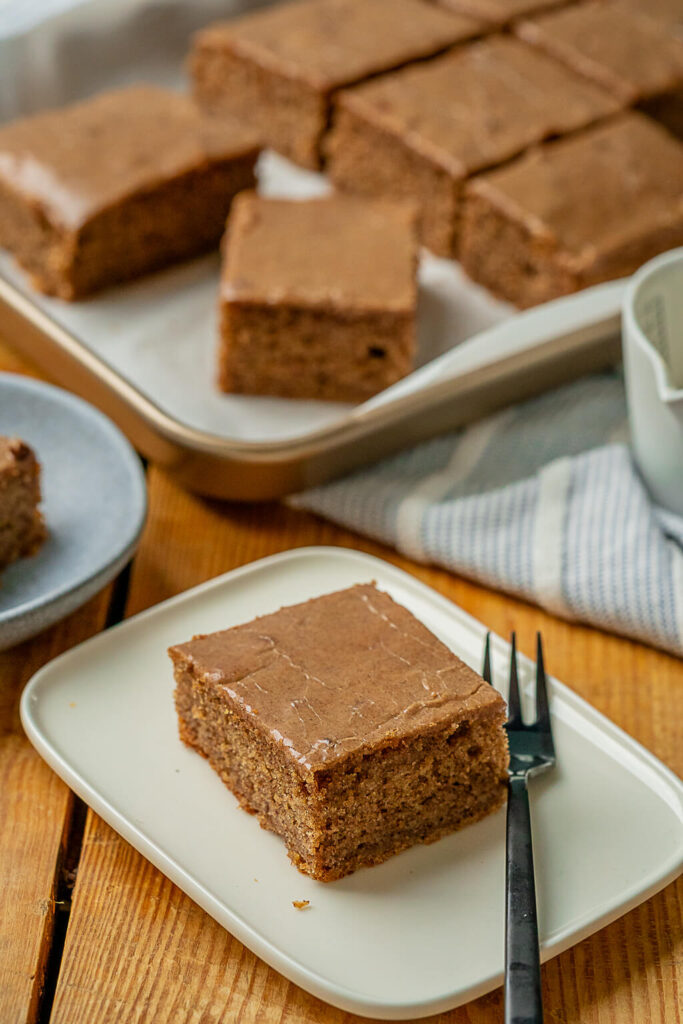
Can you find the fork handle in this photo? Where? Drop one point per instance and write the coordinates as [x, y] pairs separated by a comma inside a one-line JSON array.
[[522, 956]]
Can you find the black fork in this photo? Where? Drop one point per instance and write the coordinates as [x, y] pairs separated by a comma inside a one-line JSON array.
[[531, 752]]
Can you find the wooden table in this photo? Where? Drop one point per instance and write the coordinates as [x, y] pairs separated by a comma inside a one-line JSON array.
[[91, 933]]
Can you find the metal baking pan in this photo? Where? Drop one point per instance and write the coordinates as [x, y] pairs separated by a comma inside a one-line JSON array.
[[144, 352]]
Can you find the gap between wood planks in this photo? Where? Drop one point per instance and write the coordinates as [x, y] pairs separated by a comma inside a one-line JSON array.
[[67, 865]]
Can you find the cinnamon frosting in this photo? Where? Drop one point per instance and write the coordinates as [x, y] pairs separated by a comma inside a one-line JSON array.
[[84, 158], [632, 57], [597, 193], [330, 43], [337, 252], [338, 675], [480, 105]]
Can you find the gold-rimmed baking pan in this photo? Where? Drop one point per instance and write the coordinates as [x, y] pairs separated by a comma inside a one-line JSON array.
[[143, 352]]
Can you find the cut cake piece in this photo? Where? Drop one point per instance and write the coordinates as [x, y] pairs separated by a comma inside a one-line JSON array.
[[346, 726], [631, 57], [419, 133], [22, 529], [116, 186], [317, 297], [575, 212], [667, 14], [499, 13], [278, 68], [634, 48]]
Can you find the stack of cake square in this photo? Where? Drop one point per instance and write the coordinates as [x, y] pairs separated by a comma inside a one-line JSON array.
[[533, 140], [423, 131], [279, 69], [431, 121]]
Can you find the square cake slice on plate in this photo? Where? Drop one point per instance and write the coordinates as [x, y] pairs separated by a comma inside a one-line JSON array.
[[575, 212], [317, 297], [279, 67], [22, 530], [346, 726], [116, 186]]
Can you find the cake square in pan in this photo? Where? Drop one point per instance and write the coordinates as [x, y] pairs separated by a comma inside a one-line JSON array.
[[667, 14], [117, 185], [420, 132], [278, 68], [575, 211], [632, 57], [499, 13], [317, 297], [346, 726]]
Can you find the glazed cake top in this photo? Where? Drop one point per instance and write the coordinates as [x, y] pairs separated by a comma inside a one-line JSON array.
[[500, 12], [666, 13], [595, 193], [479, 105], [330, 43], [632, 57], [339, 252], [81, 159], [338, 675]]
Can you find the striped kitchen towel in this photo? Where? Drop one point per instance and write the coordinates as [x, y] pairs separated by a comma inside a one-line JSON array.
[[541, 500]]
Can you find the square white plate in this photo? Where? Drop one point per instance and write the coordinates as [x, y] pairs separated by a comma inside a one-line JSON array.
[[417, 935]]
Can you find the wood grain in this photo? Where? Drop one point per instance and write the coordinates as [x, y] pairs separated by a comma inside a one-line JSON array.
[[138, 950], [12, 362], [36, 808], [35, 811]]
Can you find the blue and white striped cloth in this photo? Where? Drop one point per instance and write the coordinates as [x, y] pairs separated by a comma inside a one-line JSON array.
[[542, 501]]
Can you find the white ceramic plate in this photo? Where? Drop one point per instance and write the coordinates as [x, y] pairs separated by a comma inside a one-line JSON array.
[[94, 502], [417, 935]]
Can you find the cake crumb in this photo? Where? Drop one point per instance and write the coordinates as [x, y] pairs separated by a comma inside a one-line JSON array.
[[72, 703], [301, 904]]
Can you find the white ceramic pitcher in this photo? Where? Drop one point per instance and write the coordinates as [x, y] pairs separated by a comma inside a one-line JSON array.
[[653, 360]]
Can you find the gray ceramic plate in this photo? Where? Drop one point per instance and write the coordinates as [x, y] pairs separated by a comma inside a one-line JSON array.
[[94, 502]]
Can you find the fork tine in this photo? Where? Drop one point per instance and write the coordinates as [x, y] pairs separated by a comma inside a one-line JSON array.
[[514, 707], [542, 709], [486, 671]]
